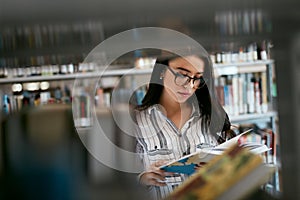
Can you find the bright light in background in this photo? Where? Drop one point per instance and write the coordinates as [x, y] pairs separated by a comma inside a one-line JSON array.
[[145, 63], [32, 86], [44, 85], [16, 87]]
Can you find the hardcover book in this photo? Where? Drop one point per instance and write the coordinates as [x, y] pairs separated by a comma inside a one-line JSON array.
[[231, 176]]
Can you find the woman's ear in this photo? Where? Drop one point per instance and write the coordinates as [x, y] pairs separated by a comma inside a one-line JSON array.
[[162, 75]]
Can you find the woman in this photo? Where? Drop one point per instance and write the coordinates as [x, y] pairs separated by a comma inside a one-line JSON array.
[[179, 114]]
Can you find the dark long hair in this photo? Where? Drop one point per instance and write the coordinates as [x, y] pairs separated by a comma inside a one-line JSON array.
[[214, 118]]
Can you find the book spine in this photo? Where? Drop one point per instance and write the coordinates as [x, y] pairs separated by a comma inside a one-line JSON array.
[[226, 96], [250, 94], [264, 92], [257, 96], [270, 141], [220, 90], [235, 95]]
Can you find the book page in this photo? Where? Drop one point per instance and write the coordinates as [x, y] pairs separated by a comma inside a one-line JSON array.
[[232, 141], [187, 164]]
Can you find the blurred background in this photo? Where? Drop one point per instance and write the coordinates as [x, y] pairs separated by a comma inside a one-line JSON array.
[[43, 45]]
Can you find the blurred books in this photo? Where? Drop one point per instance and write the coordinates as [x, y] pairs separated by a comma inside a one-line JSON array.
[[232, 175]]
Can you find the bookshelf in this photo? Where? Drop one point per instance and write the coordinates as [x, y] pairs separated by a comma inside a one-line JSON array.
[[220, 69], [231, 69], [267, 117], [84, 75], [52, 43]]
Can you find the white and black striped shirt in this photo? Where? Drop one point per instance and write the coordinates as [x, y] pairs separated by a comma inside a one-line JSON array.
[[159, 139]]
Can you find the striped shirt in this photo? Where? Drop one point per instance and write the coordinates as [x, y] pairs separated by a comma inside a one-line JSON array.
[[159, 139]]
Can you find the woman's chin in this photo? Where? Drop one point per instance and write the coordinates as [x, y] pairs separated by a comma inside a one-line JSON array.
[[182, 99]]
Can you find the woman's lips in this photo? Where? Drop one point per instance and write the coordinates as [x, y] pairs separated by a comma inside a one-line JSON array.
[[184, 94]]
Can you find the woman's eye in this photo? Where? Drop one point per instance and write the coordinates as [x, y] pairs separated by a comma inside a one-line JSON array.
[[198, 78], [180, 75]]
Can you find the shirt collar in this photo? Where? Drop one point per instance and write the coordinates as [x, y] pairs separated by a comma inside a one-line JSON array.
[[158, 107]]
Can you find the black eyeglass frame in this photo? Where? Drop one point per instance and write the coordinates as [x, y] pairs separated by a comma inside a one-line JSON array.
[[177, 74]]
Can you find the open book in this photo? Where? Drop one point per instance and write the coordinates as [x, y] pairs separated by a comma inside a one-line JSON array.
[[231, 176], [188, 163]]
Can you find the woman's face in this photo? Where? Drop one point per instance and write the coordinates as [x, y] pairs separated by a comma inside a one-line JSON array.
[[191, 66]]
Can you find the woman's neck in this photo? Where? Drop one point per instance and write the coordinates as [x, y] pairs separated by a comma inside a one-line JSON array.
[[169, 104], [178, 113]]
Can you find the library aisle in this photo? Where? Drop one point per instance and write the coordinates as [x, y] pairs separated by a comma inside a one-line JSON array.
[[48, 102]]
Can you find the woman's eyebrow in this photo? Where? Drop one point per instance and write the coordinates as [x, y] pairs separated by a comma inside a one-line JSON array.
[[183, 69]]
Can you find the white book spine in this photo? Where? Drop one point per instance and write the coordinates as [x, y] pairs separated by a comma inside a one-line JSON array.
[[235, 94], [250, 94]]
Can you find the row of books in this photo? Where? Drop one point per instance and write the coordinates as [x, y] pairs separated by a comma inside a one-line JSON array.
[[263, 136], [14, 103], [34, 94], [243, 93], [48, 70], [247, 53], [50, 35], [28, 61], [239, 94], [243, 22]]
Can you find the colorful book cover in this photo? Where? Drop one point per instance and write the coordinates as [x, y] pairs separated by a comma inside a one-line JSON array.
[[223, 174], [185, 165]]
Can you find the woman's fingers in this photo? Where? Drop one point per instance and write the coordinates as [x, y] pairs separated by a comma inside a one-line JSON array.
[[169, 174], [160, 163], [157, 183], [154, 175], [159, 176], [153, 178], [156, 166]]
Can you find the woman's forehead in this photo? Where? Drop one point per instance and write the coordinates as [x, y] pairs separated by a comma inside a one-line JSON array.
[[191, 63]]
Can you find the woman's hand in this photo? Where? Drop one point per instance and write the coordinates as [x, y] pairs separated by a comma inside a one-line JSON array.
[[154, 176]]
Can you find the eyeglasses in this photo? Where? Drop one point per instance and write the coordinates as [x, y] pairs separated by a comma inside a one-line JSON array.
[[183, 80]]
